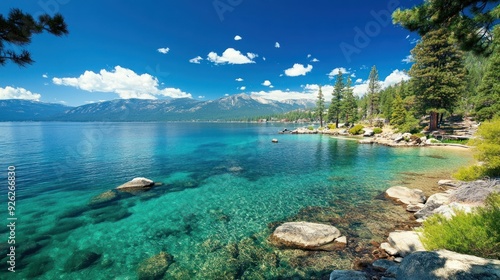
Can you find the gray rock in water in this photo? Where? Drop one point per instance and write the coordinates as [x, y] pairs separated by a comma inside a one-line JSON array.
[[388, 249], [137, 183], [348, 275], [406, 195], [383, 265], [80, 260], [433, 202], [154, 267], [449, 183], [415, 207], [443, 264], [405, 242], [304, 235]]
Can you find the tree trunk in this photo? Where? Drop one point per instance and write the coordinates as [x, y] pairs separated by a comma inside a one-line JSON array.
[[433, 121]]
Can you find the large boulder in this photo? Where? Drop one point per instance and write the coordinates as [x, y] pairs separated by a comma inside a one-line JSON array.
[[443, 264], [304, 235], [154, 267], [406, 195], [348, 275], [433, 202], [405, 242], [137, 184], [104, 197]]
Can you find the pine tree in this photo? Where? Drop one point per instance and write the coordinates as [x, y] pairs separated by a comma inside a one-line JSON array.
[[349, 104], [18, 29], [398, 111], [438, 75], [336, 104], [373, 94], [320, 106], [488, 100]]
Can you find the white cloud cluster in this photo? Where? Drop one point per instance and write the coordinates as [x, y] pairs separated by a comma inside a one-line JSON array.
[[163, 50], [196, 60], [277, 45], [408, 59], [315, 60], [231, 56], [122, 81], [336, 71], [298, 70], [395, 77], [237, 38], [18, 93], [45, 76], [243, 88], [267, 83], [239, 79]]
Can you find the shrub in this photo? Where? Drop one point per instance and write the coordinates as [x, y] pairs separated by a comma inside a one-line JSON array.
[[357, 129], [377, 130], [476, 233], [310, 127], [331, 126]]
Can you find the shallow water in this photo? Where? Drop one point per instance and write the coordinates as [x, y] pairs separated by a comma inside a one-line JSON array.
[[224, 187]]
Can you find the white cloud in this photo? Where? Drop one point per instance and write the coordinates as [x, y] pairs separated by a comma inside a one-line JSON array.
[[231, 56], [239, 80], [237, 38], [45, 76], [163, 50], [264, 58], [298, 70], [309, 92], [336, 71], [243, 88], [196, 60], [227, 94], [407, 36], [315, 60], [266, 83], [309, 56], [201, 96], [122, 81], [395, 77], [18, 93], [358, 81], [408, 59], [277, 45]]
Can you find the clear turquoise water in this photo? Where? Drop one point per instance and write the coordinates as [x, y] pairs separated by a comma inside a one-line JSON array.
[[222, 183]]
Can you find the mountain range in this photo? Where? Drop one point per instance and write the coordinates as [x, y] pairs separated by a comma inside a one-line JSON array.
[[234, 107]]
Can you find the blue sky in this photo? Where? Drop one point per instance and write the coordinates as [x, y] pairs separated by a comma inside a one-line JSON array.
[[206, 49]]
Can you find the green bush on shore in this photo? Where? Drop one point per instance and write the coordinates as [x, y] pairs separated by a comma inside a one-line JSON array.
[[377, 130], [357, 129], [476, 233]]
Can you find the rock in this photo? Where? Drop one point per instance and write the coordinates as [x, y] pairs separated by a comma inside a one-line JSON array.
[[104, 197], [339, 243], [449, 183], [348, 275], [389, 249], [406, 195], [235, 169], [405, 242], [154, 267], [398, 259], [80, 260], [443, 264], [433, 202], [414, 207], [304, 235], [383, 265], [407, 136], [137, 183], [448, 211], [366, 141], [274, 140], [368, 132]]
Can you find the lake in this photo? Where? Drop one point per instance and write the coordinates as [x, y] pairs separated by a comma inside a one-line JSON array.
[[224, 187]]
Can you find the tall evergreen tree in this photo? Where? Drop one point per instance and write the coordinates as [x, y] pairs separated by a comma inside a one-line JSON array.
[[438, 74], [349, 104], [469, 21], [398, 111], [320, 106], [488, 100], [336, 104], [373, 94], [18, 28]]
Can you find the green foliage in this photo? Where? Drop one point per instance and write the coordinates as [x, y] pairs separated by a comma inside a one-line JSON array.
[[310, 127], [398, 111], [487, 151], [357, 129], [18, 28], [468, 20], [331, 126], [377, 130], [488, 99], [476, 233], [373, 93], [438, 74], [320, 106], [337, 96], [349, 104]]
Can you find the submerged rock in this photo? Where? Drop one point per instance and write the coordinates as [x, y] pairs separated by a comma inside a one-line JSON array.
[[154, 267], [405, 242], [348, 275], [444, 264], [80, 260], [137, 184], [104, 197], [406, 195], [304, 235]]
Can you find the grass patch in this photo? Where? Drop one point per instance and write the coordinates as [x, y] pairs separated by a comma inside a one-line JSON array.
[[476, 233]]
